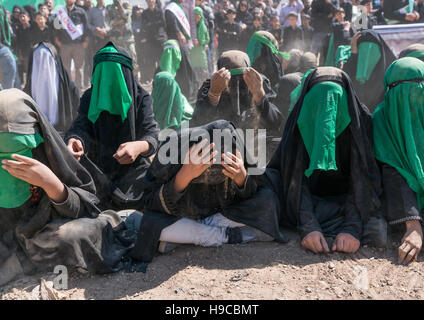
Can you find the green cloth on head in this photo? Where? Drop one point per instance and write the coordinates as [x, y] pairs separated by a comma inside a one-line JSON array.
[[399, 124], [416, 54], [171, 57], [323, 117], [15, 192], [109, 89], [198, 56], [170, 106], [254, 47], [5, 35], [237, 71], [329, 60], [369, 55], [343, 53]]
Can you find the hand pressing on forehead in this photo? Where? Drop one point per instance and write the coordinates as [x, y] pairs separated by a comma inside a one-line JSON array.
[[128, 152], [234, 167], [37, 174], [254, 82], [198, 159], [219, 82]]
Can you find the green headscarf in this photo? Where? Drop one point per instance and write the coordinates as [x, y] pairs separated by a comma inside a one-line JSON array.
[[109, 89], [170, 106], [369, 55], [171, 57], [4, 27], [416, 54], [15, 192], [323, 117], [399, 123], [201, 29], [255, 46]]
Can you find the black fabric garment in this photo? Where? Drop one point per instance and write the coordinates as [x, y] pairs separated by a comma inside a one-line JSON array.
[[153, 36], [24, 41], [42, 233], [293, 38], [118, 185], [412, 48], [244, 16], [400, 201], [186, 77], [419, 7], [329, 201], [287, 84], [308, 32], [254, 205], [391, 10], [371, 93], [68, 95], [319, 15], [247, 34], [278, 35], [347, 6], [269, 63], [229, 37], [39, 35], [172, 25], [266, 115]]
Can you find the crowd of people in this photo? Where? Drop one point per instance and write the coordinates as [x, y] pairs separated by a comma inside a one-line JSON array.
[[83, 181]]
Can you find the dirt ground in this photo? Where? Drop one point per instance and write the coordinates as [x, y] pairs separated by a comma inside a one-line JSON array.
[[248, 271]]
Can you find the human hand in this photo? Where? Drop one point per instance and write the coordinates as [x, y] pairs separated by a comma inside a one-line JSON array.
[[197, 160], [37, 174], [255, 84], [315, 242], [128, 152], [346, 243], [411, 242], [219, 81], [354, 42], [234, 167], [75, 148]]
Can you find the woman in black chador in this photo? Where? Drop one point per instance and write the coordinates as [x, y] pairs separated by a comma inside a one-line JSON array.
[[115, 132], [324, 169]]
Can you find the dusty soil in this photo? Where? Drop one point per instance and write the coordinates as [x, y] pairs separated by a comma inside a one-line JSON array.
[[248, 271]]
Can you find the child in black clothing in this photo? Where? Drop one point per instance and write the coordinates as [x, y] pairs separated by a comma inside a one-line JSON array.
[[24, 42], [41, 32], [308, 32], [248, 33], [293, 35], [229, 35], [276, 29]]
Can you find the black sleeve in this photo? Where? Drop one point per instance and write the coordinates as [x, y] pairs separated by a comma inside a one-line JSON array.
[[82, 128], [204, 111], [172, 27], [307, 221], [163, 198], [248, 189], [390, 10], [270, 114], [78, 204], [401, 201], [148, 128], [352, 223]]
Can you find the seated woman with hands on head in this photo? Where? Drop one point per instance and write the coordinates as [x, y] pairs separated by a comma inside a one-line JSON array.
[[48, 207]]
